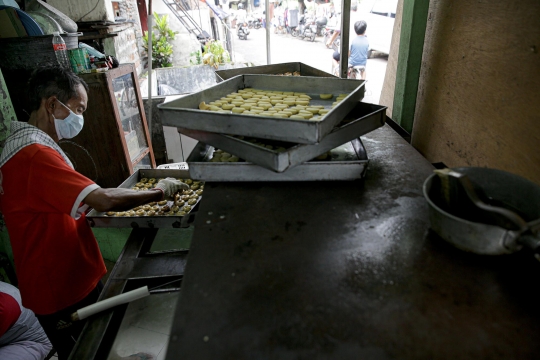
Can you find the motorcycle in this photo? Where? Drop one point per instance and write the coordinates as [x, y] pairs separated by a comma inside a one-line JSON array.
[[337, 43], [321, 23], [243, 31], [257, 23], [250, 22], [308, 29], [297, 30], [280, 27], [254, 23], [328, 33], [356, 72]]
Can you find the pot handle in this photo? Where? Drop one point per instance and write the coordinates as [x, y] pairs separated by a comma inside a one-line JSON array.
[[531, 238], [532, 242]]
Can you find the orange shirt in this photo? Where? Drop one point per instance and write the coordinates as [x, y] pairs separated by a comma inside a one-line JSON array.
[[56, 255]]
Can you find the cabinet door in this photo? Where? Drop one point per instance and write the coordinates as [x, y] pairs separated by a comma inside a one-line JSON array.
[[131, 118]]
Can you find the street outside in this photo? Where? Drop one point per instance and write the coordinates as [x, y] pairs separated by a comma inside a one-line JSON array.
[[285, 48]]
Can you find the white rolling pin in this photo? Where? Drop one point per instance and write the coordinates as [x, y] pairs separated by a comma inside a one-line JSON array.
[[109, 303]]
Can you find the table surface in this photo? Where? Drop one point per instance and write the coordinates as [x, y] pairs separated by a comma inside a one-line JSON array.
[[347, 270]]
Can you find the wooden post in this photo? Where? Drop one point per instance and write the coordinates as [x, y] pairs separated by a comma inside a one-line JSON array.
[[413, 30]]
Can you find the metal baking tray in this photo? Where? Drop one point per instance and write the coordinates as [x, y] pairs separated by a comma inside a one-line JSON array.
[[185, 113], [273, 69], [348, 162], [361, 120], [100, 219]]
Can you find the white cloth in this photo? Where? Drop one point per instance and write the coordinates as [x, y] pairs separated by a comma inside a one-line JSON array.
[[23, 135], [25, 340]]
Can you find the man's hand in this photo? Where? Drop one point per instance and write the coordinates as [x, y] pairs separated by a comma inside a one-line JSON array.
[[170, 186]]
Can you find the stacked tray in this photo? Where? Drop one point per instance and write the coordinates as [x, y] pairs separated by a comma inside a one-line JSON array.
[[185, 113], [282, 156], [283, 69], [346, 162], [170, 218], [278, 143]]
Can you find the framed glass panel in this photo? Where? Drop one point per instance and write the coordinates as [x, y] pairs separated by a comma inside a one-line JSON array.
[[126, 99], [145, 163]]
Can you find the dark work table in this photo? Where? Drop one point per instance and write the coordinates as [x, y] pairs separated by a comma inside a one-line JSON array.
[[347, 270]]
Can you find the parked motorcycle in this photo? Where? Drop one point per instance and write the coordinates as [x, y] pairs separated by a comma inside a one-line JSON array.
[[280, 27], [337, 43], [257, 23], [321, 23], [297, 30], [328, 33], [308, 30], [254, 22], [243, 31]]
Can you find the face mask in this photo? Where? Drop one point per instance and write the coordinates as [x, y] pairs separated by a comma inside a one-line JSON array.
[[70, 127]]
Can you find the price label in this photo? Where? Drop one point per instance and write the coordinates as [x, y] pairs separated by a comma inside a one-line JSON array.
[[174, 166]]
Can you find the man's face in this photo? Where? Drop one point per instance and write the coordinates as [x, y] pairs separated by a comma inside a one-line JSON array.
[[78, 104]]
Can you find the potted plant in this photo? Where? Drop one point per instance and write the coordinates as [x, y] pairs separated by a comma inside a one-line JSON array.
[[214, 54], [162, 49]]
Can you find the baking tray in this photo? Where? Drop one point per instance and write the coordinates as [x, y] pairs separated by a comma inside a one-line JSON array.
[[273, 69], [100, 219], [348, 162], [361, 120], [185, 113]]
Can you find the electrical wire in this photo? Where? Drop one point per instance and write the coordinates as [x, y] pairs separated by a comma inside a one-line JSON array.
[[94, 8]]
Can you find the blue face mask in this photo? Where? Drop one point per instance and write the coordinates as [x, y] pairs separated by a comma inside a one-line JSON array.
[[70, 127]]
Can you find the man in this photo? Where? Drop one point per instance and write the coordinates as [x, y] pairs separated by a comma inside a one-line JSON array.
[[21, 335], [358, 51], [241, 15], [43, 199]]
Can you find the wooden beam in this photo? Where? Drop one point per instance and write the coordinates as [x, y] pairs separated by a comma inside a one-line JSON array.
[[413, 30]]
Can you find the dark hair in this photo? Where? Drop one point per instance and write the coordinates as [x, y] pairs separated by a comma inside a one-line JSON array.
[[335, 55], [360, 27], [52, 80]]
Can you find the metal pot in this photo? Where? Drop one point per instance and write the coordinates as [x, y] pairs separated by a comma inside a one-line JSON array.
[[516, 193]]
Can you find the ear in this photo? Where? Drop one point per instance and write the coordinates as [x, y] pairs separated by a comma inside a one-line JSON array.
[[50, 104]]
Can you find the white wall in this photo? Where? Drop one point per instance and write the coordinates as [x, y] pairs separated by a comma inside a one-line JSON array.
[[184, 43]]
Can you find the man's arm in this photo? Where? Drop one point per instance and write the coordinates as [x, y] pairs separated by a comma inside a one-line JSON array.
[[124, 199], [120, 199]]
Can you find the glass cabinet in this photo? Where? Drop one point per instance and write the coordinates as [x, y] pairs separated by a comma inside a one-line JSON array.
[[115, 134]]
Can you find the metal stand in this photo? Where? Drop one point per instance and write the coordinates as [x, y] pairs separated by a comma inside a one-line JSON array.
[[136, 267]]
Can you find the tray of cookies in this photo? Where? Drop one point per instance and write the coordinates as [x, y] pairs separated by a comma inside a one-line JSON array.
[[166, 213], [346, 162], [282, 69], [280, 156], [297, 109]]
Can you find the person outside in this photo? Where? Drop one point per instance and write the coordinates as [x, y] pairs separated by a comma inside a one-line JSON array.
[[43, 200], [358, 52], [21, 335], [241, 15], [335, 63], [334, 23]]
